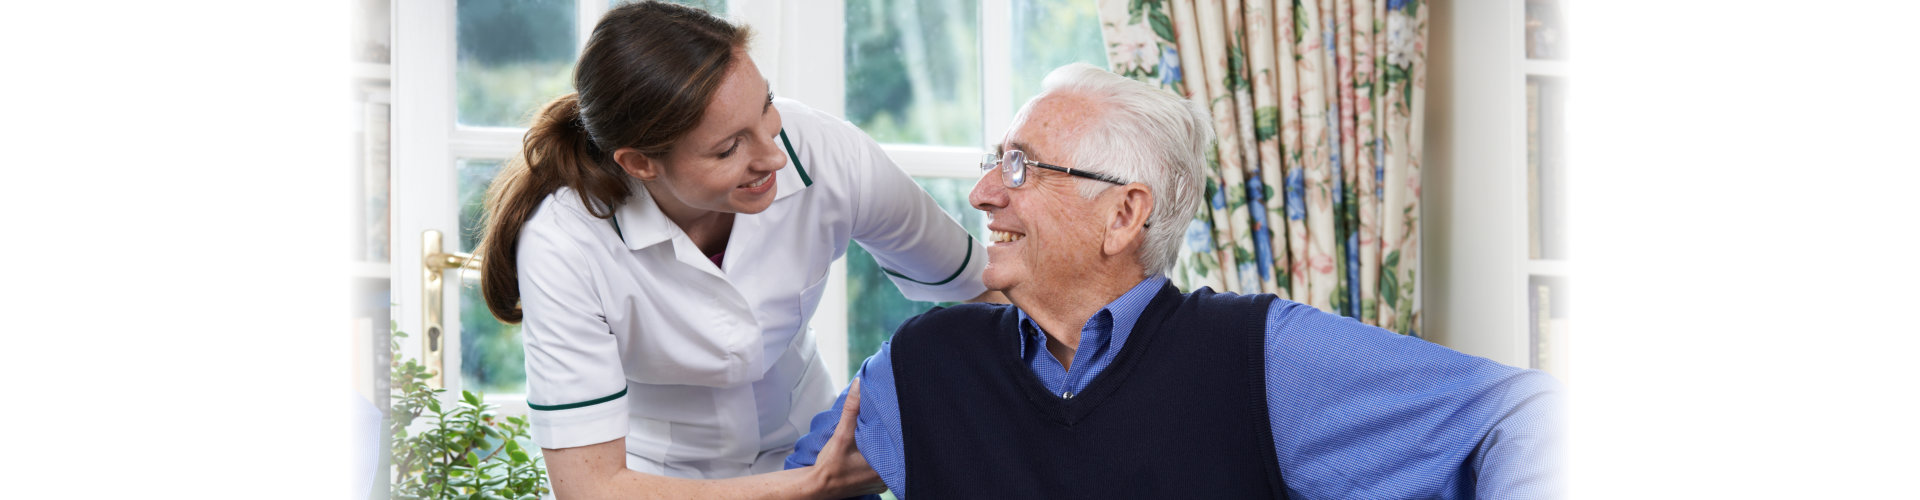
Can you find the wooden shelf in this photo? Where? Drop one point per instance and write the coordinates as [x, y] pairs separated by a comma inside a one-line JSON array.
[[1542, 267], [372, 71], [1545, 67], [372, 270]]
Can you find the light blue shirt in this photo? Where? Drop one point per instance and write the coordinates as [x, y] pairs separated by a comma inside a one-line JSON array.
[[1355, 411]]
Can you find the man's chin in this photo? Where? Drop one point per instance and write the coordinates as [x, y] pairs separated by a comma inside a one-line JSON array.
[[998, 279]]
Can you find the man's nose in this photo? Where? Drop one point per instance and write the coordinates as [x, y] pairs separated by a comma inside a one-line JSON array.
[[989, 193]]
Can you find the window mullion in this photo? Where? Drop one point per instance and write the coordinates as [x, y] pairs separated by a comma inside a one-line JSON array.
[[587, 14], [996, 69]]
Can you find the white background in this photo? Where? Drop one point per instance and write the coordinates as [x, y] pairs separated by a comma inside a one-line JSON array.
[[1746, 193]]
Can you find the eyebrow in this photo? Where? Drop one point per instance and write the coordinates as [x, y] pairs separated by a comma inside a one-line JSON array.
[[1023, 148], [763, 111]]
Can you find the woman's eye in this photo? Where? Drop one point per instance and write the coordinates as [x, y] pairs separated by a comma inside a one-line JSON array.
[[730, 149]]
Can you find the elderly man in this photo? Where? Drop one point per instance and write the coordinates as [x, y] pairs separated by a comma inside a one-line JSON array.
[[1104, 381]]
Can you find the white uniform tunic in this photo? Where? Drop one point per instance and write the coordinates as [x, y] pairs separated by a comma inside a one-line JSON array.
[[711, 372]]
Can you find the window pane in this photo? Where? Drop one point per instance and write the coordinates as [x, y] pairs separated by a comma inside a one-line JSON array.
[[913, 71], [513, 56], [491, 359], [1050, 34], [874, 306]]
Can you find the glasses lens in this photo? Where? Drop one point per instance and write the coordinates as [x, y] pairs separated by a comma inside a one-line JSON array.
[[1014, 167]]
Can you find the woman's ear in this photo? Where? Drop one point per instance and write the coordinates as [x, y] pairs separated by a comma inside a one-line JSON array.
[[1127, 220], [636, 164]]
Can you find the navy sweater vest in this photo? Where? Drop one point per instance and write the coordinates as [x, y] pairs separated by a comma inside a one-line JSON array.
[[1180, 413]]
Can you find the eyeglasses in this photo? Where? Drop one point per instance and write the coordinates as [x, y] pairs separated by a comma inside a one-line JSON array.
[[1013, 168]]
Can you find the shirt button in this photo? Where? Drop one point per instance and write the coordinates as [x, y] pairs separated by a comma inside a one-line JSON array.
[[1066, 395]]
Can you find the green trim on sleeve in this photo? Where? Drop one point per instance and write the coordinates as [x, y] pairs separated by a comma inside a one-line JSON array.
[[569, 406], [804, 179], [956, 272]]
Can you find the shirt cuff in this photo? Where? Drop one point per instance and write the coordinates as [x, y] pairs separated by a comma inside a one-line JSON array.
[[574, 427], [958, 285]]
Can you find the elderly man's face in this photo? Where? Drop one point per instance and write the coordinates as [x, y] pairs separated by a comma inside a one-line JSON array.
[[1044, 233]]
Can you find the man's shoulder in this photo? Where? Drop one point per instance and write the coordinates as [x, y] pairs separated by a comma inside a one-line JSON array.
[[1208, 299], [936, 322]]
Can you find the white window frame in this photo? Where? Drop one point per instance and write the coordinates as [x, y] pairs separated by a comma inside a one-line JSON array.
[[793, 48]]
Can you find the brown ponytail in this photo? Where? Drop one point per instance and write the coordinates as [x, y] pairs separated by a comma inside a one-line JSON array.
[[644, 79]]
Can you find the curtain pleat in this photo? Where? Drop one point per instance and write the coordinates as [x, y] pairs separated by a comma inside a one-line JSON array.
[[1313, 185]]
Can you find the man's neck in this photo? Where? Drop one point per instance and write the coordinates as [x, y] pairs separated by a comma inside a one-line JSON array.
[[1061, 313]]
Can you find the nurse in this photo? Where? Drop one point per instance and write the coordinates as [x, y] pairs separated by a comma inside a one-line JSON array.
[[664, 241]]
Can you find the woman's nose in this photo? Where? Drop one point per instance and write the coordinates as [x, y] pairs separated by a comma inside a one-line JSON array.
[[770, 156]]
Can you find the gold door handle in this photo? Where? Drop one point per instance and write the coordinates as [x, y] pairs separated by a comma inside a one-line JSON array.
[[433, 266]]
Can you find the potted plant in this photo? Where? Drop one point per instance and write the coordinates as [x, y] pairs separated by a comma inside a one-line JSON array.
[[455, 449]]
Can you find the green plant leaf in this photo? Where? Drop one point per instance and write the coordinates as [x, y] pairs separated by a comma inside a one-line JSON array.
[[1389, 287], [1299, 24], [1162, 25], [1266, 123]]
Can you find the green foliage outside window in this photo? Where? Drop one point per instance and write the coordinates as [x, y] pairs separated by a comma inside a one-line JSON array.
[[913, 71], [491, 357], [1048, 35], [512, 56]]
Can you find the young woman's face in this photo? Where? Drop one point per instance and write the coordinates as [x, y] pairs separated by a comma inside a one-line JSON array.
[[727, 162]]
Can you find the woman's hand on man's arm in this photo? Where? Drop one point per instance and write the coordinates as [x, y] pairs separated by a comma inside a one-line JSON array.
[[599, 471]]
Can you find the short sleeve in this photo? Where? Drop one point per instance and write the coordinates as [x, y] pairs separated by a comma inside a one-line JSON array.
[[921, 248], [576, 389]]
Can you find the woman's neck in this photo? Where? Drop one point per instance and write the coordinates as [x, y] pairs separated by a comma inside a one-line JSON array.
[[708, 229]]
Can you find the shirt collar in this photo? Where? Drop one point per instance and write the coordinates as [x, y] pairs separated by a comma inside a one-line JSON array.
[[642, 224], [640, 221], [1120, 317]]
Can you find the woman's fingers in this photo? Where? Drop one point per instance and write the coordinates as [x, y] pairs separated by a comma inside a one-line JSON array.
[[848, 471], [849, 416]]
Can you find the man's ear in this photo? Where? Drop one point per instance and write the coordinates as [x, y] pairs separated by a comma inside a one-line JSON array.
[[636, 164], [1127, 220]]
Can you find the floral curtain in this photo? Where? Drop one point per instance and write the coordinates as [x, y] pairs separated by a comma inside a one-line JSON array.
[[1319, 100]]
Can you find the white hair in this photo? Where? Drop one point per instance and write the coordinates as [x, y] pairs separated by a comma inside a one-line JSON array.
[[1143, 134]]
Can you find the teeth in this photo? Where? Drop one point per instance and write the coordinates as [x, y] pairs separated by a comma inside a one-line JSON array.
[[1005, 237], [758, 183]]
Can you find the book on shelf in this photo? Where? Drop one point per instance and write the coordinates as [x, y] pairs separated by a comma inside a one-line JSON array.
[[1546, 170], [1540, 328], [1554, 161], [1548, 326], [376, 175], [1533, 169]]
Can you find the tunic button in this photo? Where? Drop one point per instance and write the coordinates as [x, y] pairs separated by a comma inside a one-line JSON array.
[[1067, 395]]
